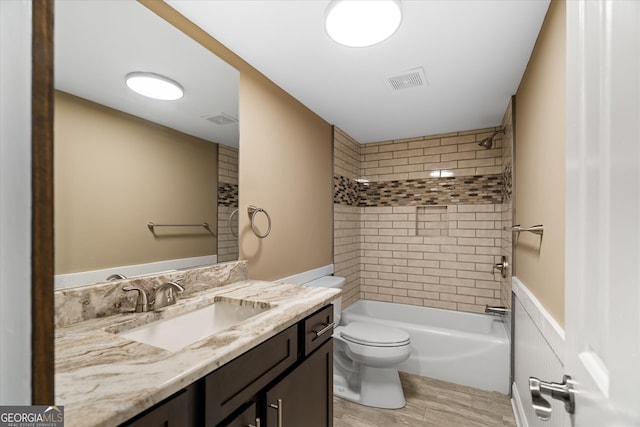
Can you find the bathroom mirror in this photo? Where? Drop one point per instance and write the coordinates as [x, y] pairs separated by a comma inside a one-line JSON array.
[[123, 160]]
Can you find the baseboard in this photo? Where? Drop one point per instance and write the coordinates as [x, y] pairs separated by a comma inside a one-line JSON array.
[[518, 410]]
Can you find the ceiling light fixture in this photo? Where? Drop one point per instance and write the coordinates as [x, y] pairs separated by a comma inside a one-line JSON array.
[[154, 86], [361, 23]]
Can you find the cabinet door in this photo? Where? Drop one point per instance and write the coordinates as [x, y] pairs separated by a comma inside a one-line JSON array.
[[175, 411], [244, 419], [306, 394], [235, 383]]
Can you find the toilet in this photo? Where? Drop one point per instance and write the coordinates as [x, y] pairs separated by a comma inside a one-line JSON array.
[[365, 356]]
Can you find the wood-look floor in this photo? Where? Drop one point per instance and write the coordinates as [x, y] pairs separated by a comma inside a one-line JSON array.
[[431, 403]]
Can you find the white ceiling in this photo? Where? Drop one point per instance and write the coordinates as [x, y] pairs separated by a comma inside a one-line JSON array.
[[474, 54], [97, 43]]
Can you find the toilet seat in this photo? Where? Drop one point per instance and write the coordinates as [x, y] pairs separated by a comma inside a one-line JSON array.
[[370, 334]]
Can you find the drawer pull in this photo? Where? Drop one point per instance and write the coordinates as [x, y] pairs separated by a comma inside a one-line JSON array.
[[328, 327], [257, 423], [278, 406]]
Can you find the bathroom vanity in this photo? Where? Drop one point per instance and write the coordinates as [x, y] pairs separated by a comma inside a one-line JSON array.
[[285, 381], [275, 366]]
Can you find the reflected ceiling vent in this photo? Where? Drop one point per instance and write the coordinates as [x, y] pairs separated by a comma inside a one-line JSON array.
[[221, 119], [408, 79]]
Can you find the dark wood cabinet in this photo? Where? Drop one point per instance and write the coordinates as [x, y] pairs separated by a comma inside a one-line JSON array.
[[295, 367], [305, 395], [179, 410], [245, 418], [233, 384]]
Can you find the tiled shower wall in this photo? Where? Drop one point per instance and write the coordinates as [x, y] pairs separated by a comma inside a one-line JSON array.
[[507, 205], [227, 203], [430, 219], [346, 219], [404, 259]]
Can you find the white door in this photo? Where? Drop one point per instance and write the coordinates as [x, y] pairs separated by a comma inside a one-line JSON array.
[[603, 211]]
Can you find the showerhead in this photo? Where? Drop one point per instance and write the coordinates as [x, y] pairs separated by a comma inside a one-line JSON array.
[[488, 141]]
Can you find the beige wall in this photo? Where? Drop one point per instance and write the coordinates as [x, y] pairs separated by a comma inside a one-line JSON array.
[[539, 165], [285, 168], [114, 173]]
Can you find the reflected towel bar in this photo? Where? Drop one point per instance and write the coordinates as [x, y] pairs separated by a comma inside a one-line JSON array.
[[205, 225], [535, 229]]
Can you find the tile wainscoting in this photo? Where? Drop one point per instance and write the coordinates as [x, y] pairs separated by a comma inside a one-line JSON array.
[[539, 351]]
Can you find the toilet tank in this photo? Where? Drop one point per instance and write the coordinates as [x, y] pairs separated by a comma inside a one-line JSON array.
[[330, 282]]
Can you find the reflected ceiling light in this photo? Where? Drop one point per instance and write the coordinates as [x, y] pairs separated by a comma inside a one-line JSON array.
[[441, 174], [360, 23], [154, 86]]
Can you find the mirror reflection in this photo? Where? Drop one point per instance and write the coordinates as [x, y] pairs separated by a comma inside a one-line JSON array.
[[123, 159]]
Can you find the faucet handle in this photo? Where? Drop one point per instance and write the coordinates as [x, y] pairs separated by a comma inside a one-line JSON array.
[[164, 293], [178, 284], [142, 303], [175, 284]]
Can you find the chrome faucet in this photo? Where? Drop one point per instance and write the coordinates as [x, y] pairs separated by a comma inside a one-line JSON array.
[[142, 302], [165, 294], [500, 311]]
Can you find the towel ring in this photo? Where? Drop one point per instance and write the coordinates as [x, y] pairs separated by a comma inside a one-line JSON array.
[[235, 211], [252, 211]]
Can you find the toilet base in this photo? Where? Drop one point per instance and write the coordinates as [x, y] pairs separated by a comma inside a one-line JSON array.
[[375, 387]]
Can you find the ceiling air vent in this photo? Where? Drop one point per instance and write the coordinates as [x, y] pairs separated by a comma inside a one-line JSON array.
[[408, 79], [221, 119]]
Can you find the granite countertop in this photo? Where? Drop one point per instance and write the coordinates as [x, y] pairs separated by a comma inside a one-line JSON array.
[[103, 379]]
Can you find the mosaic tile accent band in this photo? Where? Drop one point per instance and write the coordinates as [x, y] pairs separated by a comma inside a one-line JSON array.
[[507, 178], [228, 195], [478, 189]]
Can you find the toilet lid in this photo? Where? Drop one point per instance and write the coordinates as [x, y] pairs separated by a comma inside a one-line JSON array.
[[374, 335]]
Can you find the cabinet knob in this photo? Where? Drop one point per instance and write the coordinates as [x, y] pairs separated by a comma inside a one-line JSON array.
[[256, 425]]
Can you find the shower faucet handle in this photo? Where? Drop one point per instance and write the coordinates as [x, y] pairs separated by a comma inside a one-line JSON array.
[[502, 266]]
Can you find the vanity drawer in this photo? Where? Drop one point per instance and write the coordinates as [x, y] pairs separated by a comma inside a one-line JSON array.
[[227, 388], [316, 329]]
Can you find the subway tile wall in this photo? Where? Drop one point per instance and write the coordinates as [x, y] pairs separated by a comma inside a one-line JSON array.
[[507, 206], [421, 256], [228, 249], [457, 153], [438, 252], [346, 219]]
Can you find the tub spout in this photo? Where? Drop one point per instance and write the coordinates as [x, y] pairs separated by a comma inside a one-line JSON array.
[[500, 311]]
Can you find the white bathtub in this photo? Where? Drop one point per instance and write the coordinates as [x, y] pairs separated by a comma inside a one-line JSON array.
[[462, 348]]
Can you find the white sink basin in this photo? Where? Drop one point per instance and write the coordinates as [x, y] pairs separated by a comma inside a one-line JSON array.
[[178, 332]]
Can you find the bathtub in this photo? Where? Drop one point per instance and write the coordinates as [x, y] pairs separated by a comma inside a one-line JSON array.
[[461, 348]]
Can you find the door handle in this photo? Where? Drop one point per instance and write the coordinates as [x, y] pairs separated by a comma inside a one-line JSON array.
[[563, 392]]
